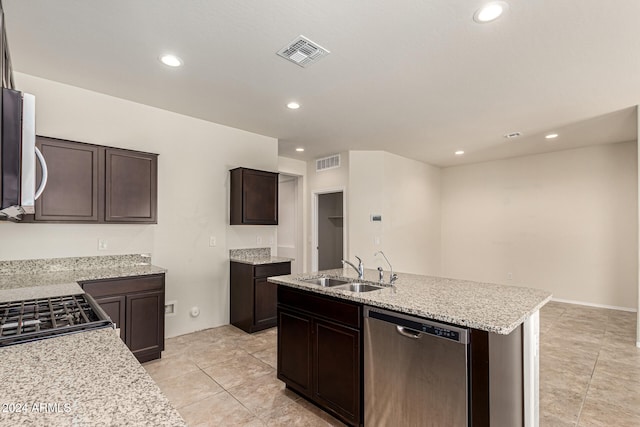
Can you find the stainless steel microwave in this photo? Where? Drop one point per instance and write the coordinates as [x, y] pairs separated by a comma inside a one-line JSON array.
[[18, 154]]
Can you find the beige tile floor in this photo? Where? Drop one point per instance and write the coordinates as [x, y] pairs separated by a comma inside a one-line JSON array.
[[589, 374]]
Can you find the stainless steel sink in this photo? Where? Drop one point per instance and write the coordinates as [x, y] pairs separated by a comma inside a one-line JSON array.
[[326, 281], [359, 287]]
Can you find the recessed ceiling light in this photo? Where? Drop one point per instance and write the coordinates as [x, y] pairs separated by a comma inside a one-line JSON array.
[[293, 105], [459, 153], [513, 135], [551, 135], [300, 149], [171, 60], [490, 12]]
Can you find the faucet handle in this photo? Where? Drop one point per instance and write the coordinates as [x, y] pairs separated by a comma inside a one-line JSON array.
[[393, 278], [380, 274]]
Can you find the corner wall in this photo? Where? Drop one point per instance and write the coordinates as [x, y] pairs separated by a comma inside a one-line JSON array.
[[193, 195], [565, 221], [407, 195]]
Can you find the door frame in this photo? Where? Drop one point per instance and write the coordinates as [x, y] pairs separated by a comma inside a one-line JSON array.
[[314, 223], [298, 231]]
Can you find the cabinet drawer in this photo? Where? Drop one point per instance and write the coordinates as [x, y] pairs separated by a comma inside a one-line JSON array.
[[268, 270], [326, 307], [124, 286]]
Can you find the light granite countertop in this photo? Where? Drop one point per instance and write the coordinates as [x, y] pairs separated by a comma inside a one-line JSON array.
[[36, 284], [261, 260], [485, 306], [84, 379], [255, 256], [88, 378]]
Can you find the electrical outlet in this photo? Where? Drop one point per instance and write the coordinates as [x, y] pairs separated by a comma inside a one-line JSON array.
[[259, 240], [170, 308], [212, 241], [509, 276], [102, 245], [376, 240]]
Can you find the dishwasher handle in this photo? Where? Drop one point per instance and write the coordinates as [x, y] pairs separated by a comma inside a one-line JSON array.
[[409, 333]]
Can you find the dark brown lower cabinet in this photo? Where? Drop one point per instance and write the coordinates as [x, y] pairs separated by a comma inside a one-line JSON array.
[[115, 309], [136, 305], [319, 351], [253, 299]]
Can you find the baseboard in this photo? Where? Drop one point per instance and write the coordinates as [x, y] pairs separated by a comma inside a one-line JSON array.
[[590, 304]]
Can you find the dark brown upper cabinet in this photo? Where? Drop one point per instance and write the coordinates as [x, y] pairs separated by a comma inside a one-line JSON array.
[[254, 197], [130, 186], [95, 184], [72, 188]]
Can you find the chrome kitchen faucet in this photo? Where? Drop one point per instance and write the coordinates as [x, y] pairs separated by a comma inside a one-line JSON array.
[[359, 268]]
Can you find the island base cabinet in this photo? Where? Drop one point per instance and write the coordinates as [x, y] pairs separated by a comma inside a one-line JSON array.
[[336, 379], [319, 351], [136, 306], [294, 351]]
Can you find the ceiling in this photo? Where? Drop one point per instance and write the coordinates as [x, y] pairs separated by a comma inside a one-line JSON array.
[[418, 78]]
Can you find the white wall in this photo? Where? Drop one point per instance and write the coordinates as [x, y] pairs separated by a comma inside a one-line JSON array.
[[565, 221], [330, 179], [407, 195], [193, 200]]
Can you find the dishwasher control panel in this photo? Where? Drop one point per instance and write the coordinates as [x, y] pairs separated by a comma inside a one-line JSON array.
[[418, 325]]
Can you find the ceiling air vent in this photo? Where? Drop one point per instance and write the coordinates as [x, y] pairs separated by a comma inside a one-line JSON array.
[[303, 51], [330, 162]]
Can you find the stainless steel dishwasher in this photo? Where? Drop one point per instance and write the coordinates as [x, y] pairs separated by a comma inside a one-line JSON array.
[[415, 371]]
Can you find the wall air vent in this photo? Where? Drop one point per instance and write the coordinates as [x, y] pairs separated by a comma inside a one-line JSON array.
[[331, 162], [303, 51]]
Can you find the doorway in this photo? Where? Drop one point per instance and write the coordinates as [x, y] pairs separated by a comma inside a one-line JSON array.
[[329, 230], [289, 229]]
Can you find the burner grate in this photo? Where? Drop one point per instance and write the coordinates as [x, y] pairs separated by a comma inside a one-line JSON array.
[[40, 318]]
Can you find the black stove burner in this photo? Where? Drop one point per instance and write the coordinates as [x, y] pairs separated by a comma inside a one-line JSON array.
[[22, 321]]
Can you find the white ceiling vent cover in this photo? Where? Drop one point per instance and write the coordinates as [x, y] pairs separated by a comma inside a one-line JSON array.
[[331, 162], [303, 51]]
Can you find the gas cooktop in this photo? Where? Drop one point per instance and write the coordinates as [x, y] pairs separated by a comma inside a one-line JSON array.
[[30, 320]]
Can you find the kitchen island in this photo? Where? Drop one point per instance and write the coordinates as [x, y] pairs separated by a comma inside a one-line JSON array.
[[322, 323], [84, 378]]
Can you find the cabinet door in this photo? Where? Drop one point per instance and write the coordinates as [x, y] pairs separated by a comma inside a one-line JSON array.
[[336, 375], [72, 187], [145, 326], [265, 303], [130, 186], [260, 197], [294, 350], [115, 309]]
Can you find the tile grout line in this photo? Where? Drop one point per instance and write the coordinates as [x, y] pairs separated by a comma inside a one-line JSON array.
[[584, 399]]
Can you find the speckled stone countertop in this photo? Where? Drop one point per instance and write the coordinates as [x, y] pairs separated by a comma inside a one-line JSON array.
[[485, 306], [26, 279], [255, 256], [84, 379]]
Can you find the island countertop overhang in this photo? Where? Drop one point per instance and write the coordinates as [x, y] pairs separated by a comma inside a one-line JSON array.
[[489, 307]]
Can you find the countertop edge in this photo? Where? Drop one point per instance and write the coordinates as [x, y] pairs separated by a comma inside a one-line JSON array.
[[271, 260], [504, 329]]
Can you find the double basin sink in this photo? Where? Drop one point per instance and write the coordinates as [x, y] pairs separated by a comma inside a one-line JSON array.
[[345, 285]]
